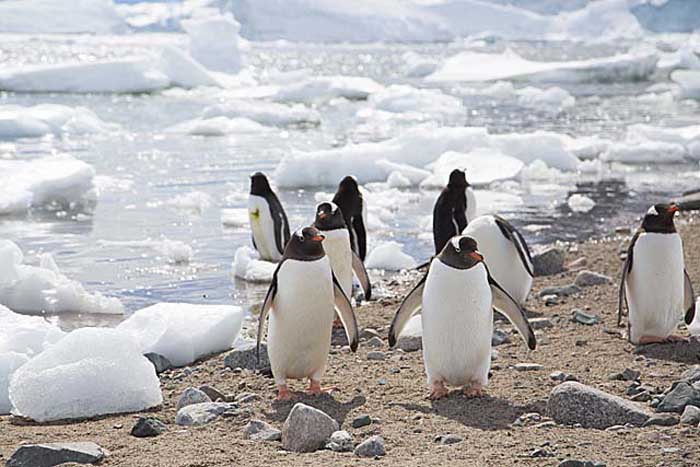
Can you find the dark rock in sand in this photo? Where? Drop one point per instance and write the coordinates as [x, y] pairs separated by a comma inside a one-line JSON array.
[[307, 429], [682, 395], [662, 419], [448, 439], [213, 393], [257, 430], [147, 427], [244, 357], [50, 454], [691, 415], [548, 262], [582, 317], [540, 323], [362, 420], [160, 363], [590, 278], [691, 375], [499, 337], [371, 447], [560, 291]]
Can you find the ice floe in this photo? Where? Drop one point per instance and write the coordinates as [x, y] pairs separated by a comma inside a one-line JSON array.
[[184, 332], [57, 181], [44, 289], [235, 217], [214, 42], [175, 251], [324, 88], [60, 16], [418, 66], [247, 266], [431, 103], [48, 119], [390, 257], [482, 166], [91, 372], [689, 82], [553, 99], [217, 126], [580, 203], [640, 152], [265, 113], [195, 202]]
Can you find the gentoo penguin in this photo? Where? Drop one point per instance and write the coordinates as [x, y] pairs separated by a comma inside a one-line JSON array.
[[349, 199], [301, 301], [505, 253], [457, 297], [268, 221], [450, 211], [655, 285], [329, 220]]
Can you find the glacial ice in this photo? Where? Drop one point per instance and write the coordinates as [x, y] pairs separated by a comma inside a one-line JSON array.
[[390, 257], [580, 203], [324, 88], [482, 166], [60, 16], [214, 42], [247, 266], [265, 113]]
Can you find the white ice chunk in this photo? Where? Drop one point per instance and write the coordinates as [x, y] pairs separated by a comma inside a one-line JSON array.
[[247, 266], [237, 217], [44, 119], [409, 173], [183, 332], [544, 145], [214, 42], [194, 201], [435, 104], [175, 251], [217, 126], [482, 165], [324, 88], [552, 99], [266, 113], [9, 363], [397, 180], [58, 16], [90, 372], [418, 66], [580, 203], [645, 151], [389, 256], [689, 82]]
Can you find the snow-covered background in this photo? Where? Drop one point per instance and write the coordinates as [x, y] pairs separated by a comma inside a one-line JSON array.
[[128, 131]]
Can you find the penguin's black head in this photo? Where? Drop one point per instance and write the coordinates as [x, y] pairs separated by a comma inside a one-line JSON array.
[[305, 245], [458, 180], [349, 185], [659, 218], [259, 185], [461, 253], [329, 217]]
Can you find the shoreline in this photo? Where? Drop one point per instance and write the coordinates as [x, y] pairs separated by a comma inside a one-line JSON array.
[[392, 392]]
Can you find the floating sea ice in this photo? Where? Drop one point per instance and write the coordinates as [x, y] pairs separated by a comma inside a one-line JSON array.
[[482, 166], [580, 203], [54, 16], [266, 113], [389, 256], [43, 289], [184, 332], [214, 42], [48, 119], [553, 99], [237, 217], [175, 251], [397, 180], [639, 152], [217, 126], [433, 103], [324, 88], [418, 66], [194, 201], [91, 372], [247, 266], [689, 82]]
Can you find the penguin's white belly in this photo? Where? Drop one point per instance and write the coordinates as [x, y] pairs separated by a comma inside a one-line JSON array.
[[299, 332], [457, 325], [337, 247], [471, 204], [263, 228], [501, 257], [655, 286]]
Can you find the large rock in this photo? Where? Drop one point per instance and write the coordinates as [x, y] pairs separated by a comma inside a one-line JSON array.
[[192, 396], [341, 441], [245, 357], [200, 414], [50, 454], [682, 395], [691, 375], [307, 429], [571, 403], [590, 278], [691, 415], [147, 427], [371, 447], [548, 262]]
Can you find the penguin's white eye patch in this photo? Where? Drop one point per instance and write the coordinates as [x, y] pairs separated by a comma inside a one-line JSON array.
[[652, 210], [455, 243]]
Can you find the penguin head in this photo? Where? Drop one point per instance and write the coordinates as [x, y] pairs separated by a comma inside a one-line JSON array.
[[348, 184], [461, 252], [329, 217], [259, 184], [305, 245], [659, 218], [458, 180]]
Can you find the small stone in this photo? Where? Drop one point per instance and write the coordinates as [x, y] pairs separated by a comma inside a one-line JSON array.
[[691, 375], [641, 397], [200, 414], [147, 427], [682, 395], [590, 278], [581, 342], [578, 463], [374, 343], [362, 420], [50, 454], [246, 397], [499, 337], [369, 333], [371, 447], [627, 374], [213, 393], [561, 376], [410, 343], [528, 419], [548, 262], [160, 363], [550, 300], [192, 396], [528, 367], [381, 382], [244, 356], [691, 415], [578, 263], [541, 452], [258, 430], [662, 419], [307, 429], [581, 317], [239, 414], [341, 441], [376, 355], [560, 291], [540, 323], [449, 438]]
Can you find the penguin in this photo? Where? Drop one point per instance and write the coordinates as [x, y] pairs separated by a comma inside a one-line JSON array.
[[329, 220], [300, 303], [505, 253], [450, 211], [349, 199], [457, 298], [268, 221], [655, 285]]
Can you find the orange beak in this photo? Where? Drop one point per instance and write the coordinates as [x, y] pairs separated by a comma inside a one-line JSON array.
[[318, 238], [322, 215], [476, 255], [673, 208]]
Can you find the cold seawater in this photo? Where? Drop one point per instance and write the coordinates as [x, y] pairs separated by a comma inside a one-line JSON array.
[[154, 184]]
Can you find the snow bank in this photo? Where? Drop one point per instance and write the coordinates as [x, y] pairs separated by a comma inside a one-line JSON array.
[[182, 332], [247, 266], [482, 166], [389, 256], [431, 103], [175, 251], [214, 42], [476, 66], [580, 203], [170, 67], [417, 148], [45, 119], [237, 217], [91, 371], [217, 126], [56, 180], [265, 113], [323, 88], [43, 289], [60, 16]]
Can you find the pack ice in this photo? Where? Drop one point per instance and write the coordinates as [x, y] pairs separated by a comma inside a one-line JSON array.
[[390, 256], [91, 372], [17, 121], [248, 266], [184, 332]]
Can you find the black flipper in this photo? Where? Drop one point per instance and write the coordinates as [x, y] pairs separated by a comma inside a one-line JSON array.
[[267, 304], [505, 305], [359, 268], [512, 234], [409, 307], [626, 269], [688, 299], [346, 314], [280, 222], [358, 226]]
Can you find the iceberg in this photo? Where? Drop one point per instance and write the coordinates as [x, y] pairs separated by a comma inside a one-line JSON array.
[[247, 266], [214, 42], [323, 88], [60, 16]]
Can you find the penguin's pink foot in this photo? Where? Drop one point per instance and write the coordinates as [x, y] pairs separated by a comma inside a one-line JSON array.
[[437, 391], [475, 390], [675, 338], [283, 393], [316, 389], [661, 340]]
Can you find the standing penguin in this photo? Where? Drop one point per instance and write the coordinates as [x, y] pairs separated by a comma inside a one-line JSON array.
[[349, 199], [451, 210], [655, 285], [329, 220], [300, 301], [268, 221], [457, 297], [505, 253]]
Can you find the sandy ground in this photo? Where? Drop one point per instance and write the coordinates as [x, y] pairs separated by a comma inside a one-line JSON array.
[[407, 421]]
